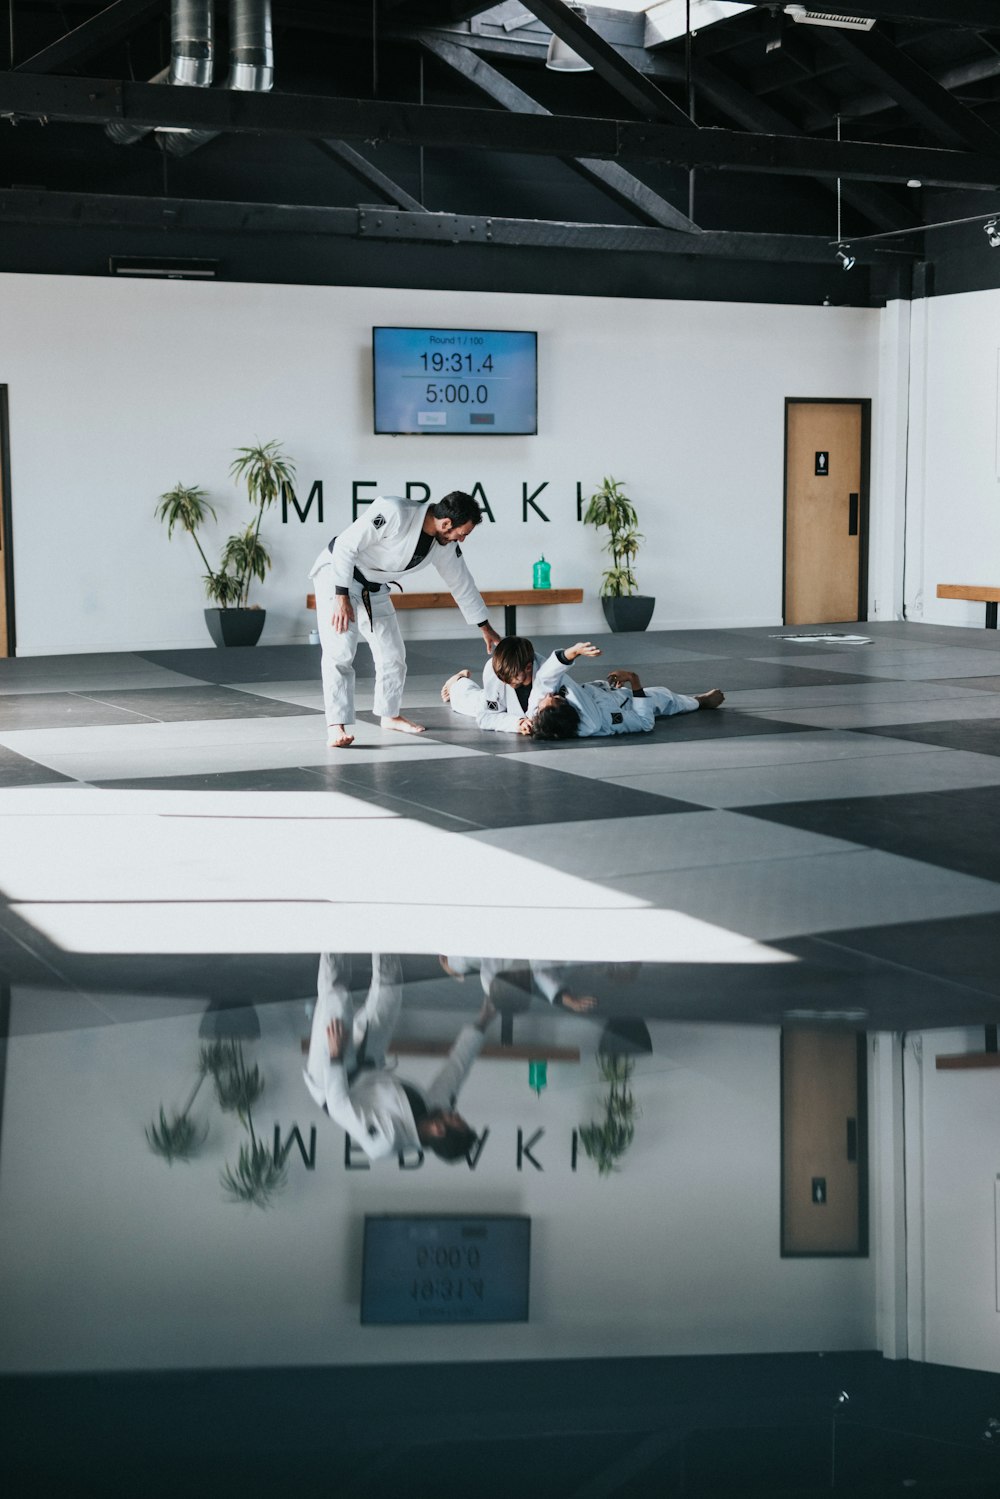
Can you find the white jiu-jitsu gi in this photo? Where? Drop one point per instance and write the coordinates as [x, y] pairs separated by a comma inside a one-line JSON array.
[[603, 709], [544, 977], [357, 1090], [375, 550], [494, 705]]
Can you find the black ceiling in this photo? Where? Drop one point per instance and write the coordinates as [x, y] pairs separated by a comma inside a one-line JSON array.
[[418, 143]]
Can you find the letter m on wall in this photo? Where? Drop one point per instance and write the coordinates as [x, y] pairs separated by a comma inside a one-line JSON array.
[[288, 497]]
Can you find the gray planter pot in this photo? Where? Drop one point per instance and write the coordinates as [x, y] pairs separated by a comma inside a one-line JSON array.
[[235, 626], [628, 613]]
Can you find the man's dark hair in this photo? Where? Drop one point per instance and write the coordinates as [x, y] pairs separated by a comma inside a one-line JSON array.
[[454, 1145], [512, 656], [458, 507], [559, 720]]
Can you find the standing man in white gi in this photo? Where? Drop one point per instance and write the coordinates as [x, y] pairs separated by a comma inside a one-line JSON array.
[[352, 578], [346, 1072]]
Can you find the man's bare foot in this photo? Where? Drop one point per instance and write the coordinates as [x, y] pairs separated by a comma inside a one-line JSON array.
[[713, 699], [446, 689], [402, 725], [338, 737]]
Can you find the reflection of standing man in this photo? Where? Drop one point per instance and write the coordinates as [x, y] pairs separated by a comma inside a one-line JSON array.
[[351, 579], [346, 1072]]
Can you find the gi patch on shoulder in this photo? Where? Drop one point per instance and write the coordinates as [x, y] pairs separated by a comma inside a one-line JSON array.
[[493, 707], [617, 718], [378, 522]]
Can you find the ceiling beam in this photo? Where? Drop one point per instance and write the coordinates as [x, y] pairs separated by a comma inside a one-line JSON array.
[[874, 57], [607, 174], [364, 171], [640, 91], [977, 15], [732, 99], [101, 210], [103, 30], [97, 101]]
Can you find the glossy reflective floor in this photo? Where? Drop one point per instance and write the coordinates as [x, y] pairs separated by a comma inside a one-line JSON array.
[[193, 889]]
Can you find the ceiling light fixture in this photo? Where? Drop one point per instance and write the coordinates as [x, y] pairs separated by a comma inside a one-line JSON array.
[[992, 232], [560, 57], [842, 255]]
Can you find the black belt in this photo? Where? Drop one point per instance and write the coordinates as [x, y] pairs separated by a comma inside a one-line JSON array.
[[368, 587]]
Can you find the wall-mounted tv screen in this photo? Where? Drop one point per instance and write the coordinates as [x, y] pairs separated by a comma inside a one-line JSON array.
[[455, 381], [445, 1269]]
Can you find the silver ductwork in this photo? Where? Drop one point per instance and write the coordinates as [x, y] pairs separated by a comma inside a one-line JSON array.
[[251, 66], [251, 63], [191, 59]]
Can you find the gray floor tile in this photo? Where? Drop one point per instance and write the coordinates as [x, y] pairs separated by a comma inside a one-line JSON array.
[[684, 840], [884, 775], [860, 716], [180, 704], [58, 710], [821, 893], [18, 770]]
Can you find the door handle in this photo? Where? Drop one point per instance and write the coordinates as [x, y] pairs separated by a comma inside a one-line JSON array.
[[852, 514]]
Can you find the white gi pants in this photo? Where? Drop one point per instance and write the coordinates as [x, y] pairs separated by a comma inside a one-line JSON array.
[[466, 696], [370, 1027], [666, 703], [383, 637]]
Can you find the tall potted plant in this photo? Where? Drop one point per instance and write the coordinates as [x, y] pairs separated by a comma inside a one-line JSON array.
[[625, 608], [267, 473]]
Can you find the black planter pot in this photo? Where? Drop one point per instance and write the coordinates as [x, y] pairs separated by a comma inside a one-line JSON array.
[[628, 613], [235, 626]]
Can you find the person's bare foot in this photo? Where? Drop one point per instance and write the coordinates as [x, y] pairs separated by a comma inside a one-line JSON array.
[[446, 689], [713, 699], [402, 725], [338, 737]]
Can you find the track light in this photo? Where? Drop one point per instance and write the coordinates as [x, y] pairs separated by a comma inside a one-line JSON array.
[[992, 232], [842, 255], [560, 57]]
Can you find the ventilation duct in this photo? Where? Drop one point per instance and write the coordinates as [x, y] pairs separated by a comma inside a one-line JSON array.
[[251, 67], [808, 17], [191, 48]]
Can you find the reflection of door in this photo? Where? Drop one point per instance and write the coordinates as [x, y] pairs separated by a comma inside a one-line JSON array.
[[6, 568], [826, 511], [823, 1145]]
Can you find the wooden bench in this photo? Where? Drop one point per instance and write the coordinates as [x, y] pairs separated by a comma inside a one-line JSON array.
[[494, 598], [534, 1051], [977, 593]]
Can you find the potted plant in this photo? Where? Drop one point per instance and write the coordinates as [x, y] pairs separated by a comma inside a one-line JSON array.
[[267, 473], [606, 1140], [625, 608]]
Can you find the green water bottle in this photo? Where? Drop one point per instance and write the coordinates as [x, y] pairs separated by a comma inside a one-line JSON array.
[[542, 574], [538, 1076]]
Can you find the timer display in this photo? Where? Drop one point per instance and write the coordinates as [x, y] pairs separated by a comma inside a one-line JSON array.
[[435, 381], [445, 1269]]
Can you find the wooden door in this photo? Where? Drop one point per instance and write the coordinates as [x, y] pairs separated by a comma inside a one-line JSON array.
[[823, 1145], [826, 511]]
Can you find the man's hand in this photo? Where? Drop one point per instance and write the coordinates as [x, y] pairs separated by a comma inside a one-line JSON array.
[[336, 1039], [582, 648], [343, 614], [624, 679], [491, 638], [578, 1003], [524, 727], [486, 1014]]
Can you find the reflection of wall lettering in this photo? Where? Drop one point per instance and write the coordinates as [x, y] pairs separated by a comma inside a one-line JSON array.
[[308, 1156], [365, 491], [412, 1158]]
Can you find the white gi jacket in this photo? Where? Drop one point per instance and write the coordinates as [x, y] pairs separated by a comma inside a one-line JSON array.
[[374, 1108], [381, 542], [501, 710]]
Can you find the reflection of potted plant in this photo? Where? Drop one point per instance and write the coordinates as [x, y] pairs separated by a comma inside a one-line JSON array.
[[259, 1173], [178, 1138], [624, 607], [606, 1140], [267, 473]]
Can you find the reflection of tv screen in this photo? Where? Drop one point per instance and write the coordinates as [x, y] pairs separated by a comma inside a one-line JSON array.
[[455, 381], [445, 1269]]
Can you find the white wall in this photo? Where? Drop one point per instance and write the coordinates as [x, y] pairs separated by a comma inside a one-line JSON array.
[[953, 511], [111, 1259], [953, 1161], [118, 390]]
